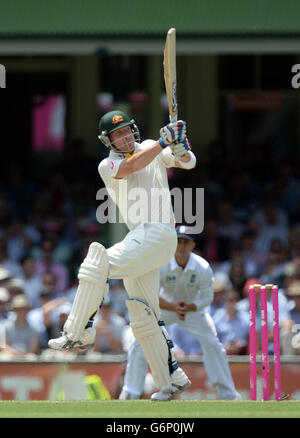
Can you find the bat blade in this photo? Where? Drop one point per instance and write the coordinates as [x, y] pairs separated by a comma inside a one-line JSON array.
[[170, 74]]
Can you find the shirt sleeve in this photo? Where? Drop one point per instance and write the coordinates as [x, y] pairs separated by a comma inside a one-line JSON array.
[[108, 168], [206, 290], [167, 157]]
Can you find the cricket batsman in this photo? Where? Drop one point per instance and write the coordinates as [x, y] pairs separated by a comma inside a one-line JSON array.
[[133, 167]]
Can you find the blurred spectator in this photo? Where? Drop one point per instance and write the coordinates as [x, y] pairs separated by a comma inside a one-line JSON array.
[[17, 239], [294, 242], [291, 272], [71, 293], [271, 223], [118, 296], [62, 311], [78, 162], [5, 277], [83, 198], [89, 230], [44, 317], [34, 225], [49, 284], [15, 287], [270, 214], [252, 256], [257, 164], [46, 264], [228, 227], [185, 344], [13, 267], [21, 337], [5, 313], [219, 298], [213, 247], [273, 271], [20, 193], [237, 275], [244, 194], [290, 337], [232, 325], [236, 253], [55, 196], [59, 233], [109, 327], [250, 282], [287, 187], [32, 283]]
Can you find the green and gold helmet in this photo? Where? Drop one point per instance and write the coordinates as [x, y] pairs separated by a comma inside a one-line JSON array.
[[112, 121]]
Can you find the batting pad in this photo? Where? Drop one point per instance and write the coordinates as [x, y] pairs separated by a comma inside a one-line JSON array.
[[92, 289], [147, 331]]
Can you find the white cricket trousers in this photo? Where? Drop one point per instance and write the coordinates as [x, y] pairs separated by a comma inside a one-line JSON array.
[[138, 257], [202, 327]]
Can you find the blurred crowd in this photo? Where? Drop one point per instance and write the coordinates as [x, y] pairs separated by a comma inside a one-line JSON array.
[[251, 235]]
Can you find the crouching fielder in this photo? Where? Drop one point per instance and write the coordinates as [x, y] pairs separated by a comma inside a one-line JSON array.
[[185, 294], [134, 168]]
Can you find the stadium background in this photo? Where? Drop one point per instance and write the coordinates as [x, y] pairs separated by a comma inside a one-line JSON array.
[[69, 62]]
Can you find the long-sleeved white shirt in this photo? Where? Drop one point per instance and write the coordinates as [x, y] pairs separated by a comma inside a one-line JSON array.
[[143, 196], [194, 284]]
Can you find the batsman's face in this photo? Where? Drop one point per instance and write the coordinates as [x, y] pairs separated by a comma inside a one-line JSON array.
[[123, 139]]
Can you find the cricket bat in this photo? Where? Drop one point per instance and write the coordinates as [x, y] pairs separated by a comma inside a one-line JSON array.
[[170, 73]]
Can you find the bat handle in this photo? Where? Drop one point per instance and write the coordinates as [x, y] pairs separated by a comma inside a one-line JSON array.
[[173, 120]]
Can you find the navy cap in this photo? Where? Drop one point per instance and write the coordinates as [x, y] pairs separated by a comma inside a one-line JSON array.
[[183, 231]]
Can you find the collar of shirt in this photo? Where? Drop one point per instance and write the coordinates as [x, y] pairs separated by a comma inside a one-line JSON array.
[[116, 154], [191, 264]]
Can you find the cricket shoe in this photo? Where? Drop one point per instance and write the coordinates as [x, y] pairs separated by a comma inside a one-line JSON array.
[[65, 344], [125, 395], [179, 382]]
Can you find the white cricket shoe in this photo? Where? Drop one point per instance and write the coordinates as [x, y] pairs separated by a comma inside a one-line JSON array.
[[179, 382], [162, 396], [125, 395], [65, 344]]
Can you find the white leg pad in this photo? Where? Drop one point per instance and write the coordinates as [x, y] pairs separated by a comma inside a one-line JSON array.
[[92, 289], [147, 331]]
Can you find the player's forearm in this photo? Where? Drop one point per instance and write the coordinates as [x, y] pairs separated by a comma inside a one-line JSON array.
[[166, 305], [186, 158], [201, 303], [188, 161], [191, 307], [142, 158]]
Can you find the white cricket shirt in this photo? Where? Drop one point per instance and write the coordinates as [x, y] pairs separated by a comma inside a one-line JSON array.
[[143, 196], [194, 284]]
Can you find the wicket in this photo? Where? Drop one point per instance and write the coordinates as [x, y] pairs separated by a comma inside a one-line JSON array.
[[254, 289]]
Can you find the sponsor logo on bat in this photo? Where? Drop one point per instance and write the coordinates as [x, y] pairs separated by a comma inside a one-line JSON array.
[[174, 97]]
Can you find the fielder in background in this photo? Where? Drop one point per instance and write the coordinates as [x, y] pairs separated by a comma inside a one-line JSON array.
[[186, 292], [134, 168]]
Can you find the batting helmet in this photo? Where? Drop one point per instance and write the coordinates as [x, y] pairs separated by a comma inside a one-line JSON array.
[[112, 121]]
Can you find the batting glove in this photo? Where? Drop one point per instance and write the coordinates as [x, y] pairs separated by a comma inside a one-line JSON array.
[[171, 133], [180, 149]]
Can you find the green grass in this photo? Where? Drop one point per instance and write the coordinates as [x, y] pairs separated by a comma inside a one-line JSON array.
[[147, 409]]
